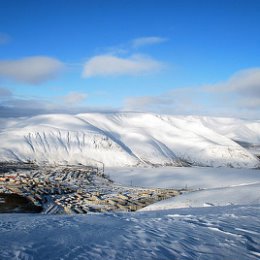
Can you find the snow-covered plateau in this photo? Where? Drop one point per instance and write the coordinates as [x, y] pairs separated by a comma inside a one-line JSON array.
[[131, 139]]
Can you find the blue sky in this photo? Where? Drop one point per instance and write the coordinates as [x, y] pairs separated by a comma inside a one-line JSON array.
[[177, 57]]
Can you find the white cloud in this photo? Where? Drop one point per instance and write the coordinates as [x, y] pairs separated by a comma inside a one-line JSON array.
[[19, 107], [4, 38], [109, 65], [252, 103], [237, 96], [132, 45], [147, 102], [176, 101], [12, 105], [143, 41], [5, 93], [246, 82], [243, 86], [31, 70], [74, 98]]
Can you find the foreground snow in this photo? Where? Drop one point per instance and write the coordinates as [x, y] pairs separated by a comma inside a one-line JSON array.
[[130, 139], [200, 229], [208, 233]]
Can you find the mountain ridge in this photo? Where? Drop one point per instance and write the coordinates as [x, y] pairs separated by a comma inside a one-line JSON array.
[[130, 139]]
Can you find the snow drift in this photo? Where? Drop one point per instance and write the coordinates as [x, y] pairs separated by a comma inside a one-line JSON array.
[[210, 233], [129, 139]]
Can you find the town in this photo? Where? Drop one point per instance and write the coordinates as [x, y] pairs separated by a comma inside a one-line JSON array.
[[77, 189]]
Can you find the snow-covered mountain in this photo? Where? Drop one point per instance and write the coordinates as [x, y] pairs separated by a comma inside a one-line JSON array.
[[130, 139]]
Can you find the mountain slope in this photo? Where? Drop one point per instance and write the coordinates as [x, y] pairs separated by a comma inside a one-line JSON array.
[[129, 139]]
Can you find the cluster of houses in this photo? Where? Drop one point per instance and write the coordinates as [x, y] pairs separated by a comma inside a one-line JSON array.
[[128, 199], [78, 190], [35, 189]]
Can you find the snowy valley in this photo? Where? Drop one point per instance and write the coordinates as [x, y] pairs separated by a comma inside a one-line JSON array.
[[209, 165]]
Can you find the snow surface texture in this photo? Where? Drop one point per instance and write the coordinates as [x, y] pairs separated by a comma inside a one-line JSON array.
[[130, 139], [209, 233]]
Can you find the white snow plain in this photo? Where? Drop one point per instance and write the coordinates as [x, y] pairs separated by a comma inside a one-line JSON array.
[[209, 186], [214, 233], [183, 177], [234, 195], [130, 139]]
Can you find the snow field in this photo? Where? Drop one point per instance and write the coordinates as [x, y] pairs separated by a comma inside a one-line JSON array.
[[208, 233], [210, 186]]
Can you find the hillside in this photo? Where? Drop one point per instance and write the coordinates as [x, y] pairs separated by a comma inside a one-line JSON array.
[[130, 139]]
